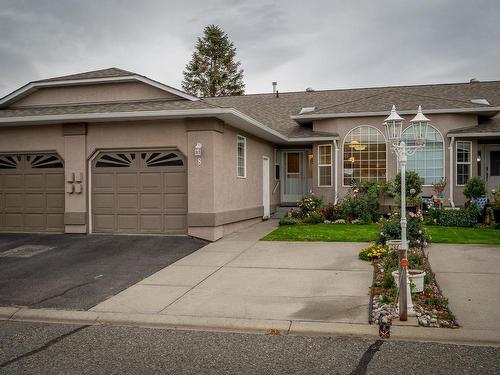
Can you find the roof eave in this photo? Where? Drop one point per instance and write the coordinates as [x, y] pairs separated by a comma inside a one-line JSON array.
[[231, 116], [485, 111], [33, 86]]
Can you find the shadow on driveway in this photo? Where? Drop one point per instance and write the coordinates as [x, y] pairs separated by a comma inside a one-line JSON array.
[[73, 271]]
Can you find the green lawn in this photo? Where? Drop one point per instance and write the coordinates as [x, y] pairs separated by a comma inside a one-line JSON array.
[[325, 232], [487, 236], [367, 233]]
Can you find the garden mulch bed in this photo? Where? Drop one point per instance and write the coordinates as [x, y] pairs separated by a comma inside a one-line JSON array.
[[430, 306]]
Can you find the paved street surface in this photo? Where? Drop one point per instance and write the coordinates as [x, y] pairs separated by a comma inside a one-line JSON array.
[[70, 271], [39, 348], [241, 277], [469, 276]]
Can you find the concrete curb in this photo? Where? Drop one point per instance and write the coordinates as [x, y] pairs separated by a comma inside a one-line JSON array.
[[401, 333]]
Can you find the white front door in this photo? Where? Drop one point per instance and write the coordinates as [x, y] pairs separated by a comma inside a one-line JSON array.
[[293, 188], [266, 187], [492, 166]]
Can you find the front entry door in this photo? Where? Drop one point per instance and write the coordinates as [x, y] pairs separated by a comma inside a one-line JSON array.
[[294, 178], [493, 167]]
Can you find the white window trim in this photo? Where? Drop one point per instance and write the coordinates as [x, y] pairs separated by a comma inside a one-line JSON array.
[[444, 153], [461, 162], [387, 150], [244, 139], [326, 165]]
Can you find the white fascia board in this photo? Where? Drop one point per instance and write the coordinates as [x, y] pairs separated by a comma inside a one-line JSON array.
[[405, 112], [32, 86], [229, 115]]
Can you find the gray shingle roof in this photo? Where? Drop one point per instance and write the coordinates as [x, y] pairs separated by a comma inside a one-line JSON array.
[[137, 106], [275, 112], [488, 125], [102, 73]]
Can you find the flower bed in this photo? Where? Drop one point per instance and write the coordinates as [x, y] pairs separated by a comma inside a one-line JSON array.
[[430, 306]]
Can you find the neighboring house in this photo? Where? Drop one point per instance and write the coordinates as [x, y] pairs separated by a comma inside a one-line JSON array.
[[112, 151]]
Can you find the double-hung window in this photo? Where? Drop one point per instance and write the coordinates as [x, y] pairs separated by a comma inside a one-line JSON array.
[[464, 151], [325, 165], [242, 156]]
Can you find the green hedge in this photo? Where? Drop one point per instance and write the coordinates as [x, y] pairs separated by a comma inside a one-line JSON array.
[[462, 217]]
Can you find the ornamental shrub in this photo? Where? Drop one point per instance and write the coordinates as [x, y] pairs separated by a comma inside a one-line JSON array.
[[413, 181], [308, 204], [287, 220], [390, 229], [331, 212], [474, 188], [313, 218], [355, 207], [373, 251], [462, 217]]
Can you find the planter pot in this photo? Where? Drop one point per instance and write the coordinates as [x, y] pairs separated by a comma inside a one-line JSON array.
[[416, 278], [496, 215]]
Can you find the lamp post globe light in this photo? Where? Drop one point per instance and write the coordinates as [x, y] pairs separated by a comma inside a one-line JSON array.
[[393, 130]]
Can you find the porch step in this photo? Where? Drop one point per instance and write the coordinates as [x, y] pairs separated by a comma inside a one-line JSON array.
[[280, 212]]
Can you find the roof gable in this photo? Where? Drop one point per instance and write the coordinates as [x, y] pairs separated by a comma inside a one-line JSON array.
[[104, 76]]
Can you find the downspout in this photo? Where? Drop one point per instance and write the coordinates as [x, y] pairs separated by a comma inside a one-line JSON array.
[[452, 179], [336, 171]]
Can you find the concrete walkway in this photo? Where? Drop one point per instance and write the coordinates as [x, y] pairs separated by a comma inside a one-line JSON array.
[[469, 276], [239, 277]]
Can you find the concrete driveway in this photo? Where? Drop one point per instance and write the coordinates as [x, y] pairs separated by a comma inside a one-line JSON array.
[[469, 276], [241, 277], [69, 271]]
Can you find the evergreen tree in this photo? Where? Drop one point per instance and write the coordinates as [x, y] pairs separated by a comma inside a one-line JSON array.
[[213, 70]]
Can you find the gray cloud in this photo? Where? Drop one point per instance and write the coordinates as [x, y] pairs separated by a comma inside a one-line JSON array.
[[320, 44]]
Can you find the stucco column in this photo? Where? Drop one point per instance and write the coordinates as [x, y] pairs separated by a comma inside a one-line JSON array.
[[75, 215], [202, 176]]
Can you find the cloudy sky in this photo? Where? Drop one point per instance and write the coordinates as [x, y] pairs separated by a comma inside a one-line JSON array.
[[319, 44]]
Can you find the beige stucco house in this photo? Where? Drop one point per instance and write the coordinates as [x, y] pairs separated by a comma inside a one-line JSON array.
[[112, 151]]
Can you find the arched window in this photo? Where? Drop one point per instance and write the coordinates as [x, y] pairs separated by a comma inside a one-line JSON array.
[[429, 161], [364, 156]]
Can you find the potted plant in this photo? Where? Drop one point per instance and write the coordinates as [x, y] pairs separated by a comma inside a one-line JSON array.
[[475, 190]]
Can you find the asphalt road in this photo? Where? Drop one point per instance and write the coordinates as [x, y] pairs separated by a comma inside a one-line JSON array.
[[71, 271], [31, 348]]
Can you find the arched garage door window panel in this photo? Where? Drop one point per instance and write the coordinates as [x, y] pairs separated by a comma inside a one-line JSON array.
[[44, 161], [162, 159], [429, 161], [365, 155], [33, 161], [9, 161], [150, 159], [115, 160]]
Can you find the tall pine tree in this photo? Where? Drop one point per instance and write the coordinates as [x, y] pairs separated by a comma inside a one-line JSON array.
[[213, 70]]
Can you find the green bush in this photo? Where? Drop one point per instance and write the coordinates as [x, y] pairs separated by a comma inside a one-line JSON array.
[[331, 212], [388, 281], [287, 220], [474, 188], [308, 204], [390, 229], [462, 217], [313, 218], [413, 181]]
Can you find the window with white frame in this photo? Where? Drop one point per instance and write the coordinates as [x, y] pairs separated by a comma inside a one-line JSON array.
[[325, 165], [464, 163], [428, 162], [365, 155], [242, 156]]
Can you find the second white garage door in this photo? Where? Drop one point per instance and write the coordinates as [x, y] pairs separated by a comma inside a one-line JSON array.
[[139, 192]]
